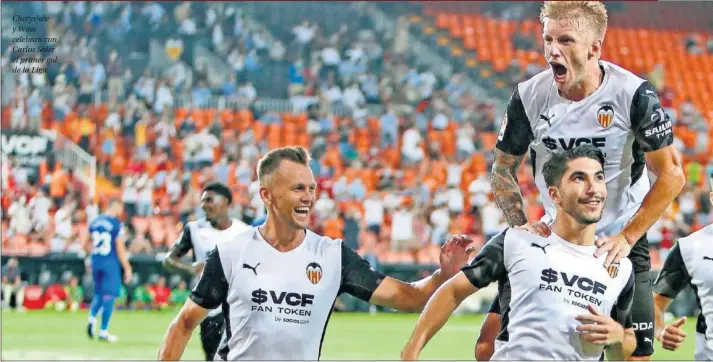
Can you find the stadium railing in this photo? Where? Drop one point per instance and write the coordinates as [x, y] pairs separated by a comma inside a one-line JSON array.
[[75, 158]]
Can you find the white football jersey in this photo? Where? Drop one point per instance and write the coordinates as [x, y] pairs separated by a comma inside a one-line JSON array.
[[277, 304], [204, 237], [201, 237], [544, 284], [690, 262], [623, 118]]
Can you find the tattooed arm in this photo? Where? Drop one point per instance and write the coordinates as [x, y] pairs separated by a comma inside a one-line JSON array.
[[512, 145], [506, 188]]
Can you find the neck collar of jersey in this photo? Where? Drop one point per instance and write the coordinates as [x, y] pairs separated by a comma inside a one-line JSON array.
[[261, 238], [583, 249]]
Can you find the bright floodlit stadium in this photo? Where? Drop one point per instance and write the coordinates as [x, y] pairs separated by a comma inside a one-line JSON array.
[[208, 180]]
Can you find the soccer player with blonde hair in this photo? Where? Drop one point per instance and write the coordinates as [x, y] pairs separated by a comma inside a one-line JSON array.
[[584, 99]]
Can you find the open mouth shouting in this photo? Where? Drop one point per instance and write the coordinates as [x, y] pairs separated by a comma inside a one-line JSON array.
[[560, 72]]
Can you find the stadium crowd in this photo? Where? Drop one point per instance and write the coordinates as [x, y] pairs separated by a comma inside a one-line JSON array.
[[401, 169]]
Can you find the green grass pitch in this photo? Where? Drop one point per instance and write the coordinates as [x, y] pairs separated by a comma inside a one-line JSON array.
[[46, 335]]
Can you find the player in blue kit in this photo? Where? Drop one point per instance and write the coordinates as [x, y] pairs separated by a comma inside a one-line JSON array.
[[107, 260]]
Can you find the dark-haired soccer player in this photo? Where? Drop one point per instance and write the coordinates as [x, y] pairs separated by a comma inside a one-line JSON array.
[[558, 300], [202, 236], [689, 263]]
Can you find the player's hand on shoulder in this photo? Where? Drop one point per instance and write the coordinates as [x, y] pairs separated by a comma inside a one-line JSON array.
[[672, 335], [599, 328], [455, 253], [537, 227], [617, 246]]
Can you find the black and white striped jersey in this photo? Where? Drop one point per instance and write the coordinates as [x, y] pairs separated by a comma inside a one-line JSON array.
[[544, 283], [690, 262], [623, 118], [277, 304]]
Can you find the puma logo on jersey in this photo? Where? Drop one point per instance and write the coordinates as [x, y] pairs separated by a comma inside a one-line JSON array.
[[540, 247], [254, 269], [547, 119], [707, 258], [647, 339], [569, 143]]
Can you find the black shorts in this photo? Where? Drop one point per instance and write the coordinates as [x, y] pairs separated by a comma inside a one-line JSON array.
[[642, 314], [211, 333]]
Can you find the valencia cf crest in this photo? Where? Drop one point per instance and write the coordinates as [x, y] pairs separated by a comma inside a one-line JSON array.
[[314, 273], [605, 115], [613, 270]]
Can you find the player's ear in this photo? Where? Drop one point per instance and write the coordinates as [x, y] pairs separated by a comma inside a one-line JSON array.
[[595, 50], [265, 195], [554, 194]]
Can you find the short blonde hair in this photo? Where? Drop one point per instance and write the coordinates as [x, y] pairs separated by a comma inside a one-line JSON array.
[[592, 14]]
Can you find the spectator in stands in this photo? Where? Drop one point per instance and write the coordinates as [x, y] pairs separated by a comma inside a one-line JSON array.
[[179, 295], [12, 284], [411, 142], [352, 228], [75, 294], [20, 221], [59, 185], [143, 297], [40, 206], [130, 197], [145, 200], [141, 243], [161, 293], [402, 229], [63, 233]]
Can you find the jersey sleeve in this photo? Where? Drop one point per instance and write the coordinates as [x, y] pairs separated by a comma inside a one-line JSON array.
[[489, 265], [212, 287], [674, 276], [358, 277], [184, 243], [622, 309], [651, 125], [495, 305], [515, 131]]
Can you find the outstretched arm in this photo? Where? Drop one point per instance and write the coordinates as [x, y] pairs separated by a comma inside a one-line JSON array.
[[486, 267], [436, 314], [363, 282]]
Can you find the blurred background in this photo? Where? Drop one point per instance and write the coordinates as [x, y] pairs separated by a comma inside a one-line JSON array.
[[398, 102]]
